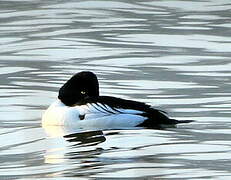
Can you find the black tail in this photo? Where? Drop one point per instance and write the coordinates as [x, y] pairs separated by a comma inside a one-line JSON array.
[[181, 121]]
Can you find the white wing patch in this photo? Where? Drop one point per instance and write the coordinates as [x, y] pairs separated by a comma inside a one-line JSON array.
[[104, 116], [99, 109]]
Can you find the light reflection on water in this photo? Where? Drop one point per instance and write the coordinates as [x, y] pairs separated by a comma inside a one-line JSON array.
[[173, 55]]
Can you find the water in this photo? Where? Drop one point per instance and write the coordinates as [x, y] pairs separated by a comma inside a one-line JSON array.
[[174, 55]]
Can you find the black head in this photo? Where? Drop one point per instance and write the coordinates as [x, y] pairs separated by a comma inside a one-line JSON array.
[[82, 85]]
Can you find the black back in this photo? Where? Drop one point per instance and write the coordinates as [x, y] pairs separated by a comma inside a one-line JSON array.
[[155, 117]]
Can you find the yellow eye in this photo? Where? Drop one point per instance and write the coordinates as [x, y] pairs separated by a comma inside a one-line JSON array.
[[83, 92]]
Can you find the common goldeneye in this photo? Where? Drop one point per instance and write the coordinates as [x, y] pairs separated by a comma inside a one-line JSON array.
[[80, 105]]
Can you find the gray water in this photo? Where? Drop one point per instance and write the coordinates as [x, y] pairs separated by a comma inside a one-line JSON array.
[[174, 55]]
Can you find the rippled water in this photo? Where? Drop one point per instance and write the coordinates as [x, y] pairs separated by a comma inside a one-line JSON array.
[[174, 55]]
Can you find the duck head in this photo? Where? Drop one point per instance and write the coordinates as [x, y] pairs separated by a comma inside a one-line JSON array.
[[80, 86]]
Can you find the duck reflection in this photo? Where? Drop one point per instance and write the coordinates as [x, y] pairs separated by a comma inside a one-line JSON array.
[[66, 143], [89, 138], [80, 136]]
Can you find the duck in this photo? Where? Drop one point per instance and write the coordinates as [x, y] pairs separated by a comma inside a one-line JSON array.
[[79, 105]]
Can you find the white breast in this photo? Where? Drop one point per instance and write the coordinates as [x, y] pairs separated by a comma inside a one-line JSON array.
[[95, 116]]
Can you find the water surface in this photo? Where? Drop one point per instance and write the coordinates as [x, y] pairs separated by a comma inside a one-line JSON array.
[[174, 55]]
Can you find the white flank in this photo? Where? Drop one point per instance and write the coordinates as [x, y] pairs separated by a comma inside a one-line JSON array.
[[95, 115]]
